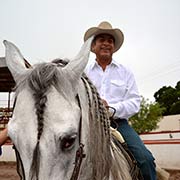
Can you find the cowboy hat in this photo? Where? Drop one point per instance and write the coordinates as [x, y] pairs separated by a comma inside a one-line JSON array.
[[106, 28]]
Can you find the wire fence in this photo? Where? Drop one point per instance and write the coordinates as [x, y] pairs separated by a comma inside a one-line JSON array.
[[5, 113]]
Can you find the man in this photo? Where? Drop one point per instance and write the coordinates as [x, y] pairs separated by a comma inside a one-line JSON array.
[[117, 88], [3, 138]]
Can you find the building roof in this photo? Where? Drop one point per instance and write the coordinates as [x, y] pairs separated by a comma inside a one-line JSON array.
[[7, 82]]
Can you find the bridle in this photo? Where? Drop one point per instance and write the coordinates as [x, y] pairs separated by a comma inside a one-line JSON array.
[[80, 151], [78, 158]]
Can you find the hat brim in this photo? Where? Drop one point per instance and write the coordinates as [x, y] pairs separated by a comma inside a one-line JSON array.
[[116, 33]]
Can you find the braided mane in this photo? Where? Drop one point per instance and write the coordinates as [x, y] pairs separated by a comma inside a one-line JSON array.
[[99, 136]]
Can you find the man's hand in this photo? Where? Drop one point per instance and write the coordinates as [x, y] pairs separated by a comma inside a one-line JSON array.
[[105, 103], [3, 136]]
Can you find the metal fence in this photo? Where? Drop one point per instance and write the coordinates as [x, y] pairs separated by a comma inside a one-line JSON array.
[[5, 115]]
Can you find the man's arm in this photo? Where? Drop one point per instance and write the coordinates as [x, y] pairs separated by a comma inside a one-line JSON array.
[[131, 103]]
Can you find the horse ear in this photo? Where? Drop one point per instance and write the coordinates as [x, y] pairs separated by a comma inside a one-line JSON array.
[[76, 66], [14, 60]]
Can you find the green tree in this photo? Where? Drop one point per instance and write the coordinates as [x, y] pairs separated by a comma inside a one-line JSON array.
[[175, 108], [178, 86], [169, 98], [148, 117]]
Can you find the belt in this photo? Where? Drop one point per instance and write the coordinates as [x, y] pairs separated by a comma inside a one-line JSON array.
[[116, 122], [119, 120]]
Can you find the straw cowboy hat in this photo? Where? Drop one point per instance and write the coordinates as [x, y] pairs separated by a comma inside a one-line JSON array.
[[106, 28]]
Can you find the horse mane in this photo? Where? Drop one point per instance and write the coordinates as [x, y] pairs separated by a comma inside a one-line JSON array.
[[106, 157], [99, 134]]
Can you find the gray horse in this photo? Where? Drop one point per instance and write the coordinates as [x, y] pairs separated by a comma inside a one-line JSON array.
[[60, 128]]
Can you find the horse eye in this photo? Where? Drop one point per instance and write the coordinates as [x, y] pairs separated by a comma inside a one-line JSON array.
[[68, 142]]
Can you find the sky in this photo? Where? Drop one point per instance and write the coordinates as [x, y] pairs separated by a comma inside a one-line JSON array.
[[48, 29]]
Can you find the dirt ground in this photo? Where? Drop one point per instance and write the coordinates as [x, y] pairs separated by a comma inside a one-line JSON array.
[[8, 172], [174, 175]]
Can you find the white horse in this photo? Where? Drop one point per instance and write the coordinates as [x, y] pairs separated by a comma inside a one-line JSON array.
[[60, 127]]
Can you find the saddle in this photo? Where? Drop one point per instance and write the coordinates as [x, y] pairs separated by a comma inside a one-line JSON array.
[[121, 145]]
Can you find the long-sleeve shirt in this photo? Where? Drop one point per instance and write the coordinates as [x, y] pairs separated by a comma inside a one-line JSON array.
[[117, 86]]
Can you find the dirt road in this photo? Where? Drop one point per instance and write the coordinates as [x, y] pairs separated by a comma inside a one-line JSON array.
[[8, 172]]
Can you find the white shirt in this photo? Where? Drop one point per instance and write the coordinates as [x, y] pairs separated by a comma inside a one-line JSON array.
[[117, 86]]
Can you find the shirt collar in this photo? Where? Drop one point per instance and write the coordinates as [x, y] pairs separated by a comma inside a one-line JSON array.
[[95, 64], [115, 63]]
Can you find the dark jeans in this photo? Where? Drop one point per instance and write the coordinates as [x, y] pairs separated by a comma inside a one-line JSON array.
[[143, 156]]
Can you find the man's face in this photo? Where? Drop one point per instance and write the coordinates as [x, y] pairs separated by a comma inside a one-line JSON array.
[[103, 46]]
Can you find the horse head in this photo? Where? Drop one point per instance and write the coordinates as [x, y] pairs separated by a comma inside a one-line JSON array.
[[58, 119], [46, 118]]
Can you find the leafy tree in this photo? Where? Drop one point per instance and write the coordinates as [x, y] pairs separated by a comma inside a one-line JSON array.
[[178, 86], [147, 118], [175, 108], [169, 98]]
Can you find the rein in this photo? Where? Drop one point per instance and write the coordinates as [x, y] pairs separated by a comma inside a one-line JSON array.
[[78, 160], [20, 167], [80, 151]]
